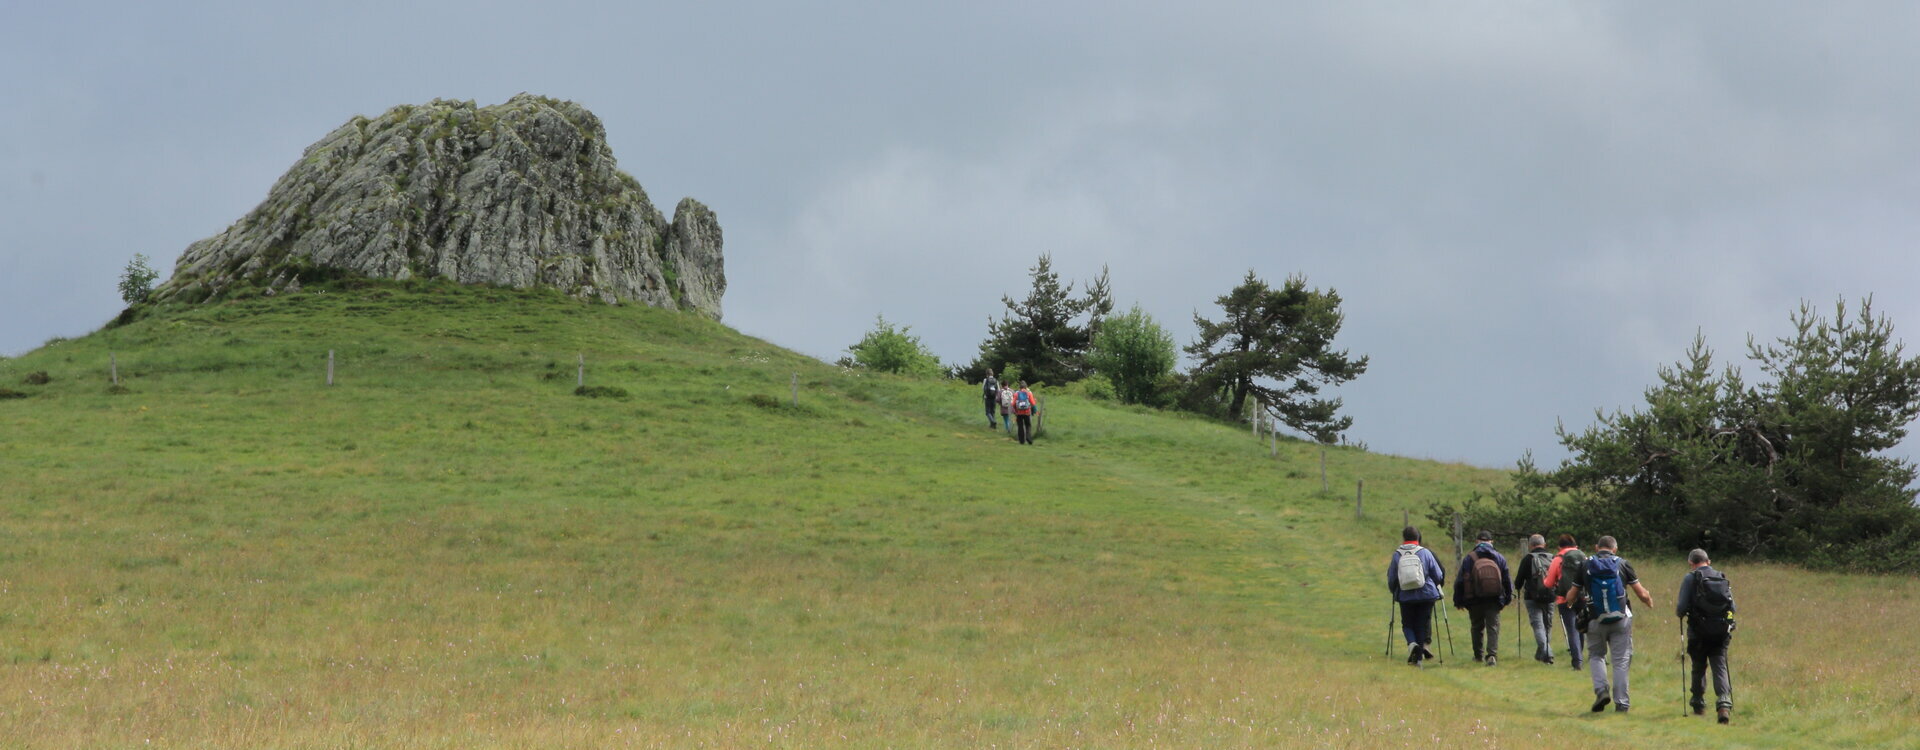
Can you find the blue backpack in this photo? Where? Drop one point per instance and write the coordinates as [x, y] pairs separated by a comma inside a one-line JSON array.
[[1022, 401], [1606, 595]]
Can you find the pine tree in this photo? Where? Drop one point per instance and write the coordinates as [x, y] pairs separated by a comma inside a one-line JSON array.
[[1284, 336], [1043, 334]]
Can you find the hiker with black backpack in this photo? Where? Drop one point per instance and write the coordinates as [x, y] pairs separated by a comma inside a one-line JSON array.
[[1414, 577], [1604, 580], [1532, 588], [990, 392], [1705, 606], [1483, 588], [1560, 578]]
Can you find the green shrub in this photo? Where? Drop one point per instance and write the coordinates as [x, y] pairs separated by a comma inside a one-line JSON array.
[[38, 378], [600, 391], [7, 393]]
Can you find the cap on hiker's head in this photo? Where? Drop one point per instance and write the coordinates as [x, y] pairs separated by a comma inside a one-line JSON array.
[[1484, 536]]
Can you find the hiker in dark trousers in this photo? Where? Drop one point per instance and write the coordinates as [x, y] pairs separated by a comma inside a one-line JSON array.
[[1706, 605], [1532, 589], [1023, 405], [1414, 577], [990, 392], [1604, 580], [1560, 578], [1483, 587]]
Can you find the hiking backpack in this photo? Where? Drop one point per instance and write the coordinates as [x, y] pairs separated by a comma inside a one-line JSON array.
[[1022, 402], [1606, 594], [1710, 612], [1570, 561], [1484, 579], [1538, 562], [1410, 571]]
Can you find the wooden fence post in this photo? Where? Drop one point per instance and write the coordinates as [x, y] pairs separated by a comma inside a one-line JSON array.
[[1323, 471], [329, 367], [796, 390], [1359, 500], [113, 367], [582, 380]]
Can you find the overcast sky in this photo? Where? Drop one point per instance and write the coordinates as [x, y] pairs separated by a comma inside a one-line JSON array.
[[1527, 207]]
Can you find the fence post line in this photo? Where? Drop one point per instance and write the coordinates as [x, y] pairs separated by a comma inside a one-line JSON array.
[[796, 390], [1359, 499], [582, 380], [329, 367], [1458, 552]]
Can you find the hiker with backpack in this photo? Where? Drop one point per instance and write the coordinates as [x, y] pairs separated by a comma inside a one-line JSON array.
[[1483, 588], [1023, 404], [1604, 579], [1532, 588], [1559, 578], [1705, 605], [1414, 577], [990, 392], [1006, 409]]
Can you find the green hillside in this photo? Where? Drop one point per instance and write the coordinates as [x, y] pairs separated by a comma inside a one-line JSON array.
[[450, 549]]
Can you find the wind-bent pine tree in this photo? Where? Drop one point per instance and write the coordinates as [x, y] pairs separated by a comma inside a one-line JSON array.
[[1041, 334], [1284, 336]]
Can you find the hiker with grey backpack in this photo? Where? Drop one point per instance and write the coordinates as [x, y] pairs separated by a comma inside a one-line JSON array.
[[1604, 579], [1531, 586], [1414, 578], [1483, 588], [1705, 607]]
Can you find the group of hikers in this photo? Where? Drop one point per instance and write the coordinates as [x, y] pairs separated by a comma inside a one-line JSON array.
[[1016, 403], [1589, 593]]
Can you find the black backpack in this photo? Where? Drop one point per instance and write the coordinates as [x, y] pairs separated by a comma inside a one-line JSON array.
[[1711, 610]]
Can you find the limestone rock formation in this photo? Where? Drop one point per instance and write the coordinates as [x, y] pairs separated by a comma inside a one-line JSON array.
[[518, 194]]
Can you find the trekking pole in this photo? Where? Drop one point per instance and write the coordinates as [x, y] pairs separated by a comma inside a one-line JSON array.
[[1683, 666], [1449, 625], [1393, 613]]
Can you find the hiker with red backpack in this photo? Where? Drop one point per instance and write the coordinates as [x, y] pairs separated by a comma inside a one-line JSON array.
[[1023, 406], [1414, 577], [1705, 606], [1604, 580], [1559, 578], [1483, 588], [1538, 596]]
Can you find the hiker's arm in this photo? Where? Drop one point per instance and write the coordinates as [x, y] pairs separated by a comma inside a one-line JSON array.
[[1686, 595], [1573, 593], [1641, 591]]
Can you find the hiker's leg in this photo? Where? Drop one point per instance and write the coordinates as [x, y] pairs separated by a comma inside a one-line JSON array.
[[1540, 616], [1722, 680], [1597, 656], [1697, 658], [990, 409], [1415, 619], [1575, 643], [1493, 628], [1477, 623], [1620, 652]]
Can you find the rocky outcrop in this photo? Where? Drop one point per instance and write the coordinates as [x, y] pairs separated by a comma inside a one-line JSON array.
[[519, 194]]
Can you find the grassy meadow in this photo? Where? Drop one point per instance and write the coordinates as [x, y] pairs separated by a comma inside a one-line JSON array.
[[450, 549]]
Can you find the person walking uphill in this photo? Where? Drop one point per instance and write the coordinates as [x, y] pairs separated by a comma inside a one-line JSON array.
[[1705, 604], [1006, 409], [1023, 405], [1560, 578], [1482, 588], [1531, 586], [1605, 579], [1414, 577], [990, 392]]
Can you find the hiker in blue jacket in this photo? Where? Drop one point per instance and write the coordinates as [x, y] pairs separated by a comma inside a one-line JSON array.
[[1414, 577], [1483, 588]]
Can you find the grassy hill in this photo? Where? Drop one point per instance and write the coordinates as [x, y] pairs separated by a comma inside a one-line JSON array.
[[449, 549]]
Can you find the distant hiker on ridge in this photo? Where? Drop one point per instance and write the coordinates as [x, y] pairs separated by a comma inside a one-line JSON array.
[[1705, 606], [1483, 587], [1560, 578], [990, 393], [1532, 588], [1605, 579], [1023, 404], [1006, 408], [1414, 578]]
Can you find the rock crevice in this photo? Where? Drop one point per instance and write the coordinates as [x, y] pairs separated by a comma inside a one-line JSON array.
[[520, 194]]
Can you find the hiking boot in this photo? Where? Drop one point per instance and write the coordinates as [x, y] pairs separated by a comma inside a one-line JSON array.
[[1426, 653], [1600, 703], [1699, 710], [1619, 709], [1490, 660], [1726, 715], [1413, 654]]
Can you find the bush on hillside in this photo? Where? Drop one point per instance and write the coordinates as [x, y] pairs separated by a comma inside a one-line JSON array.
[[38, 378], [1134, 354], [600, 391], [8, 393], [894, 350]]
